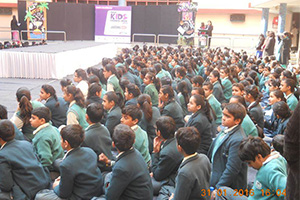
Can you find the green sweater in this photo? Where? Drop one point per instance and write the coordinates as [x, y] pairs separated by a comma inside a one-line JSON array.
[[271, 178], [141, 143], [216, 106], [227, 88], [114, 81], [80, 115], [47, 145], [249, 127], [292, 102], [152, 92]]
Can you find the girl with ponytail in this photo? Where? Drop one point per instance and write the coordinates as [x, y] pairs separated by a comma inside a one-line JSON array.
[[76, 112], [183, 96], [152, 87], [149, 117], [214, 78], [23, 113], [202, 120], [57, 105], [227, 82]]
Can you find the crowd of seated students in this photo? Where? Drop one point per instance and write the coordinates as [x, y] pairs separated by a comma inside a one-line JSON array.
[[153, 122], [10, 45]]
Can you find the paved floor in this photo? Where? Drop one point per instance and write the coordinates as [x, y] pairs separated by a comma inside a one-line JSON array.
[[9, 86]]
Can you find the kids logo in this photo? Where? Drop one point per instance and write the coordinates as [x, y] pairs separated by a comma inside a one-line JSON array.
[[115, 16]]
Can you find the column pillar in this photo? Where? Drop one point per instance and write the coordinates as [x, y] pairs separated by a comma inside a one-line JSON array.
[[282, 17], [265, 20]]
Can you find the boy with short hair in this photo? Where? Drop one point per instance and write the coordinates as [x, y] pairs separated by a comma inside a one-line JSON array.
[[97, 136], [227, 168], [192, 181], [46, 139], [130, 177], [80, 178], [131, 116], [165, 156], [22, 175], [271, 177]]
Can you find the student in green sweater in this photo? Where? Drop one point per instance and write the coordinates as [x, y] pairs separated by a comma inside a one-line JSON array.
[[76, 112], [110, 73], [271, 177], [152, 87], [131, 115], [288, 87], [46, 139], [226, 82], [214, 103]]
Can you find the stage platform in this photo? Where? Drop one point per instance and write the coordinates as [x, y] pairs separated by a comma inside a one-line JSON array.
[[54, 60]]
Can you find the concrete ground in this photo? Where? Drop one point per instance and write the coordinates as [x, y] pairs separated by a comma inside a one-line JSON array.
[[9, 87]]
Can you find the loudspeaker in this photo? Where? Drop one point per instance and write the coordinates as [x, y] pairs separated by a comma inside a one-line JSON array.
[[237, 17]]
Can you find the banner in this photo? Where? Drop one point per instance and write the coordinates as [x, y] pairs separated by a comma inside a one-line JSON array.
[[112, 24], [36, 17]]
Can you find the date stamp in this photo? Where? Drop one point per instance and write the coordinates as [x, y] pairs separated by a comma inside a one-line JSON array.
[[241, 192]]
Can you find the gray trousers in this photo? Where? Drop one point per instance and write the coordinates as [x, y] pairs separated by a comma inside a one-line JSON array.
[[47, 195], [229, 195]]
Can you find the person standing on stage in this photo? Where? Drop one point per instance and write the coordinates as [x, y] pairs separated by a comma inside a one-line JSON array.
[[15, 28], [209, 28]]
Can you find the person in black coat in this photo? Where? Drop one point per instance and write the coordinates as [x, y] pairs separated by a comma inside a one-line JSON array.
[[285, 48], [130, 177], [165, 156], [269, 45], [97, 137], [201, 119], [209, 27], [22, 175], [192, 181]]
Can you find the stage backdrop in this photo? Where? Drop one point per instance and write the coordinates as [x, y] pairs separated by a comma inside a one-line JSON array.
[[78, 20], [112, 23]]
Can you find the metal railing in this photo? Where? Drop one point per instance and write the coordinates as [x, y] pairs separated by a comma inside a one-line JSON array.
[[143, 35], [164, 35], [58, 32]]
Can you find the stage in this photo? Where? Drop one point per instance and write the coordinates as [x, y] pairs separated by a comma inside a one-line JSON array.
[[54, 60]]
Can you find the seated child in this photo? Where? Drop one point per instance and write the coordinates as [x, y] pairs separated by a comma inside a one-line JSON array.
[[192, 181], [165, 156], [97, 136], [130, 177], [131, 115], [278, 143], [80, 178], [227, 168], [46, 139], [22, 175], [288, 87]]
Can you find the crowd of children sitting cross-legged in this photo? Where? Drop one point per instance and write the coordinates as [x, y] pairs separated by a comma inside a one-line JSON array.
[[170, 123]]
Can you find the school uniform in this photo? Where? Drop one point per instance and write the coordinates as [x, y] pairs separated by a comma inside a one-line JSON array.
[[27, 129], [76, 115], [97, 137], [201, 123], [59, 113], [216, 106], [166, 162], [84, 87], [113, 118], [227, 88], [174, 110], [192, 181], [150, 127], [114, 81], [218, 92], [47, 145], [132, 101], [93, 99], [130, 178], [152, 92], [80, 178], [262, 82], [182, 104], [201, 71], [227, 168], [249, 127], [272, 177], [291, 101], [141, 142], [21, 172], [257, 113]]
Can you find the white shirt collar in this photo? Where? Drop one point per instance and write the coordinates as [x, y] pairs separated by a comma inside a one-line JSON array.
[[40, 128], [3, 145], [72, 103], [185, 158], [229, 129]]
